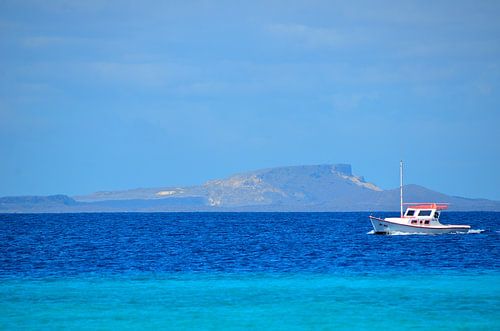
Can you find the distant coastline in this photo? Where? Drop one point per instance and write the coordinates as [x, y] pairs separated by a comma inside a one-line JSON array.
[[311, 188]]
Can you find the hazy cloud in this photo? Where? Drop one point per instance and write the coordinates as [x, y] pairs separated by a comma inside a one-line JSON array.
[[46, 41], [309, 36], [352, 101]]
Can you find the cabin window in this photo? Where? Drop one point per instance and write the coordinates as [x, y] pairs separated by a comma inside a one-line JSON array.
[[425, 213], [413, 221], [410, 213], [426, 222]]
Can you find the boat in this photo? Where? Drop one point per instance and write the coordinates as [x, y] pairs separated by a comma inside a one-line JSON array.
[[419, 218]]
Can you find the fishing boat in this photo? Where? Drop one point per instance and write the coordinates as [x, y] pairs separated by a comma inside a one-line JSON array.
[[418, 218]]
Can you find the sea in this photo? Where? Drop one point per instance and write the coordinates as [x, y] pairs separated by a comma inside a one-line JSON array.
[[245, 271]]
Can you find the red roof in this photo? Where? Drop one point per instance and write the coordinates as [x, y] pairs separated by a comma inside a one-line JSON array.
[[438, 206]]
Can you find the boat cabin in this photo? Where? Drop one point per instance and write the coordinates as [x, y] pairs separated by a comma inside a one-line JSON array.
[[424, 214], [412, 212]]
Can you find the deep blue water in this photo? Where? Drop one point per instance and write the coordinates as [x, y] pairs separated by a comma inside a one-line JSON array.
[[60, 245], [244, 270]]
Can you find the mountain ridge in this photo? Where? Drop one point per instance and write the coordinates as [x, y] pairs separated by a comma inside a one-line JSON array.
[[325, 187]]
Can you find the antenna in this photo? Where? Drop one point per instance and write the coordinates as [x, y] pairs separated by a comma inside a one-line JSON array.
[[401, 185]]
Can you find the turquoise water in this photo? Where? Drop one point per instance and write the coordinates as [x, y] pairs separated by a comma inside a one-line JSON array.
[[211, 271], [284, 302]]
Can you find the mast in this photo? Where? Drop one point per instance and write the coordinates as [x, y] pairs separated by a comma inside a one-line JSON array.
[[401, 185]]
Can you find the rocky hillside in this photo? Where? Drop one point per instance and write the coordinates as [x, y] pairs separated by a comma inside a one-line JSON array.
[[297, 188]]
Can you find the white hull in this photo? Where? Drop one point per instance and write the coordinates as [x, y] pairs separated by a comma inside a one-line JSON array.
[[383, 226]]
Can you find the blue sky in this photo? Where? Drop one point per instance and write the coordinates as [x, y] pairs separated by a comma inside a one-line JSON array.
[[104, 95]]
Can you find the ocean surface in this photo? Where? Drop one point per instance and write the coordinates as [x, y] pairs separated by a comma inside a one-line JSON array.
[[210, 271]]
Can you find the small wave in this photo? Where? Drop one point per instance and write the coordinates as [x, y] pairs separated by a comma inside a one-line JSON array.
[[471, 231], [474, 231], [399, 233]]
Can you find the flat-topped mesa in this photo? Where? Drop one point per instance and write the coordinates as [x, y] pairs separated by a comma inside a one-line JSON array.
[[342, 168], [320, 187]]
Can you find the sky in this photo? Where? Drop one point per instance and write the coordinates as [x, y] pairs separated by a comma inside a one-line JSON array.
[[111, 95]]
